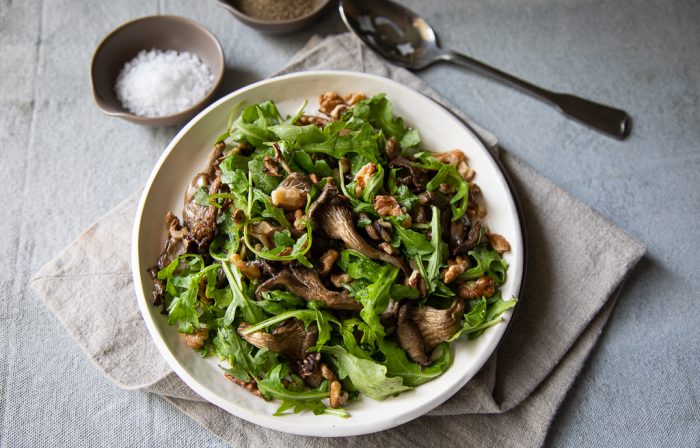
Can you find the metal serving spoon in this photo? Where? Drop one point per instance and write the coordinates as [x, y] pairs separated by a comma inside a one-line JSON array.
[[404, 38]]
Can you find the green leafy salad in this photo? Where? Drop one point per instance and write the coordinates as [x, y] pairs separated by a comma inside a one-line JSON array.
[[326, 257]]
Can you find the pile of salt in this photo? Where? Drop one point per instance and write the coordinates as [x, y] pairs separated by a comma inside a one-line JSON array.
[[157, 83]]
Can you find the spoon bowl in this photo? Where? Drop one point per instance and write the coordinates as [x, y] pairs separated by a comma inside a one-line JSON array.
[[406, 39], [393, 31]]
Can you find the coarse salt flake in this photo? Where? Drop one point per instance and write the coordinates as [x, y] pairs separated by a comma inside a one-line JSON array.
[[157, 83]]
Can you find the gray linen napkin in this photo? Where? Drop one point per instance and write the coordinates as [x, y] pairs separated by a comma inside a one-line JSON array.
[[576, 266]]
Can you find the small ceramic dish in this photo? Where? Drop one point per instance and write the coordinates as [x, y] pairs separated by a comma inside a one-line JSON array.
[[159, 32], [276, 26]]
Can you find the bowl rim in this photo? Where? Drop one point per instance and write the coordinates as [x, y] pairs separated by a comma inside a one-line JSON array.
[[218, 76], [266, 420], [261, 22]]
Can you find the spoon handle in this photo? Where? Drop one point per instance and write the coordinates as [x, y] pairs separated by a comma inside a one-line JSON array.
[[613, 122]]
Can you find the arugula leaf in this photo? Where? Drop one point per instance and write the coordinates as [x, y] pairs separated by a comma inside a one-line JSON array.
[[363, 141], [230, 346], [359, 266], [232, 166], [414, 243], [273, 387], [405, 197], [318, 167], [369, 377], [379, 112], [278, 301], [183, 308], [375, 298], [398, 364], [284, 238], [261, 179], [488, 262], [460, 200], [347, 332], [251, 314], [398, 292], [298, 135], [374, 185], [410, 139], [480, 317], [322, 318]]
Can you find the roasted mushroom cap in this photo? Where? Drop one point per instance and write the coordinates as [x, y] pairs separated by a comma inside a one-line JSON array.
[[291, 193], [410, 337], [290, 338], [200, 219], [264, 232], [419, 177], [306, 284], [178, 242], [437, 326], [330, 213]]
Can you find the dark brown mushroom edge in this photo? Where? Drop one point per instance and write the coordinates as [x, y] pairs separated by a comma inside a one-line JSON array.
[[326, 257]]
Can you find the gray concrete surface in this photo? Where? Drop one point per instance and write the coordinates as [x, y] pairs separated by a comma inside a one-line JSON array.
[[63, 165]]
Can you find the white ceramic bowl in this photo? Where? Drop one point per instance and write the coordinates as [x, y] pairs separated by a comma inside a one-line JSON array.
[[187, 154]]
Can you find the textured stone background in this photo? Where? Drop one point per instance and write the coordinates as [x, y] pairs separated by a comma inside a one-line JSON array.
[[63, 165]]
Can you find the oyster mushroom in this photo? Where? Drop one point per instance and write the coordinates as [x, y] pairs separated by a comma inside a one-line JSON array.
[[419, 176], [291, 193], [410, 337], [465, 245], [335, 218], [264, 232], [178, 243], [200, 219], [306, 284], [436, 326], [290, 338]]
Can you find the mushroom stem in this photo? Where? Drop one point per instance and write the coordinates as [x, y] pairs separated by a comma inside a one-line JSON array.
[[410, 338], [306, 284]]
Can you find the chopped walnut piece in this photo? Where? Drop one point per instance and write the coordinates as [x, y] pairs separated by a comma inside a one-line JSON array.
[[341, 279], [450, 157], [339, 110], [498, 242], [478, 212], [353, 98], [386, 206], [363, 176], [196, 340], [251, 386], [465, 171], [483, 286], [327, 260], [288, 198], [248, 269], [327, 373], [446, 188], [312, 119], [451, 273], [337, 396], [454, 269], [328, 101], [386, 247], [415, 281]]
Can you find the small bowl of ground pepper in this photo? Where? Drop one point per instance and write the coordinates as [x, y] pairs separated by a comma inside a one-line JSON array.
[[276, 16]]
